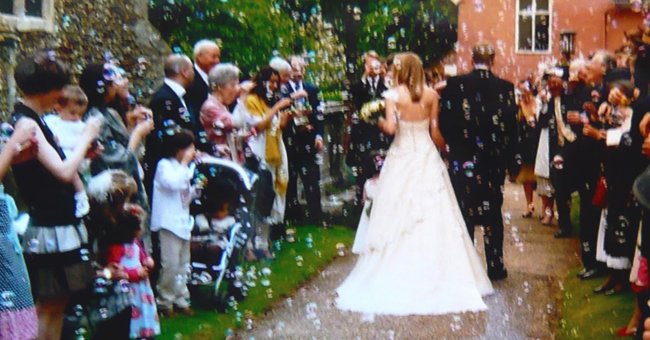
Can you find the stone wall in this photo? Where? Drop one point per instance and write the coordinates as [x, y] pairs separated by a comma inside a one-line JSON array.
[[86, 31]]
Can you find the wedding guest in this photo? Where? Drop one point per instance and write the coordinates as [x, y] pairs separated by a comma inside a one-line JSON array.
[[170, 217], [217, 120], [579, 164], [207, 54], [478, 160], [365, 137], [45, 184], [304, 141], [17, 313], [528, 142], [120, 145], [168, 104], [266, 116], [543, 158], [622, 164]]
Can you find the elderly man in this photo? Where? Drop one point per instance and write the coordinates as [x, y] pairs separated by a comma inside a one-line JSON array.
[[207, 55], [303, 139], [478, 121]]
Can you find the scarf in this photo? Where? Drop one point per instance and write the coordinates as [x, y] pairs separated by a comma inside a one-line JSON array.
[[272, 155], [565, 132]]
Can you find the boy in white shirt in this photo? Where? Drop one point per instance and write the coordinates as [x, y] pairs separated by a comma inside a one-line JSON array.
[[170, 216]]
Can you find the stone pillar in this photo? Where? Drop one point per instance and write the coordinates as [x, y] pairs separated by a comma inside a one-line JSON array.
[[8, 51]]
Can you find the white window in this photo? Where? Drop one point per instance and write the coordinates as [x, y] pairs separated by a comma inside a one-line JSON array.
[[533, 26], [27, 15]]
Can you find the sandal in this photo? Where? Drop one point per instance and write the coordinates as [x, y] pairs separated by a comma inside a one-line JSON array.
[[547, 219], [529, 211]]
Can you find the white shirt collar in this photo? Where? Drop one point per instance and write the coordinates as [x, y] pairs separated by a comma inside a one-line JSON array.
[[203, 75], [176, 87], [483, 67], [296, 85]]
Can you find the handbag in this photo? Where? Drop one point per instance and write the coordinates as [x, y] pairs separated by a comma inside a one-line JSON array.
[[600, 193]]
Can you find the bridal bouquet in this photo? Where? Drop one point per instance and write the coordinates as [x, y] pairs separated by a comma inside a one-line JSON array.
[[372, 111]]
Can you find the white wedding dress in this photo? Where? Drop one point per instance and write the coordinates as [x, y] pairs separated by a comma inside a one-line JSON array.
[[417, 257]]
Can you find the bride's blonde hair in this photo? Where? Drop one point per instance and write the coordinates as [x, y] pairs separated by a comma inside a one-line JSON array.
[[408, 71]]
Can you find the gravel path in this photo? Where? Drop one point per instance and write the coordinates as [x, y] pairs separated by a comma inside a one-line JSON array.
[[525, 305]]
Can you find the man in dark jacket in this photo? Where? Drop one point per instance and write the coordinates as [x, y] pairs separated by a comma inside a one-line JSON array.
[[303, 137], [478, 121]]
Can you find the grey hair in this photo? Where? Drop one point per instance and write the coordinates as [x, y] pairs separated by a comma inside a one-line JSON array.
[[606, 59], [202, 45], [175, 64], [222, 74], [279, 64]]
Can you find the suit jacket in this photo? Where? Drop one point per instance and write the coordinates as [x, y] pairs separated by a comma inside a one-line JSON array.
[[165, 105], [478, 119], [365, 138], [299, 140], [196, 95]]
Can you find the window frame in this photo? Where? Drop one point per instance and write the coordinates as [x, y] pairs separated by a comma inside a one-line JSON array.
[[27, 23], [533, 15]]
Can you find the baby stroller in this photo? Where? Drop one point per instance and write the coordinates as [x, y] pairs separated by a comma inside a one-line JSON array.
[[219, 246]]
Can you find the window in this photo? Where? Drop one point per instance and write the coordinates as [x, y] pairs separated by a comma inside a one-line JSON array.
[[27, 15], [533, 26]]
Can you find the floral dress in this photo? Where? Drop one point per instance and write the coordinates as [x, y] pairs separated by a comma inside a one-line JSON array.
[[17, 313], [144, 318]]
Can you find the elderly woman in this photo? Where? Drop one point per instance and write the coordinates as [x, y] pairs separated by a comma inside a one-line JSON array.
[[216, 119]]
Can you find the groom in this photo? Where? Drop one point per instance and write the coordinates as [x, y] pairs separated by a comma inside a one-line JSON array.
[[478, 122]]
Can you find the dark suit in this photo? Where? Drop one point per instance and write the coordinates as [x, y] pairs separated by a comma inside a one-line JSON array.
[[478, 119], [364, 138], [165, 105], [299, 141], [196, 95]]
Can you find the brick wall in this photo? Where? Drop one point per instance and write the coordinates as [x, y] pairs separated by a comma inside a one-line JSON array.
[[597, 23]]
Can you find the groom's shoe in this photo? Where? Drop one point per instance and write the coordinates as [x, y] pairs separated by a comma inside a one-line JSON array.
[[497, 275]]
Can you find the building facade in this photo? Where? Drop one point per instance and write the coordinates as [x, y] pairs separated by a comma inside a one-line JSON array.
[[80, 31], [526, 32]]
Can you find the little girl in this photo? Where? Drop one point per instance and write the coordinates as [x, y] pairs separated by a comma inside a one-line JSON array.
[[373, 168], [120, 250]]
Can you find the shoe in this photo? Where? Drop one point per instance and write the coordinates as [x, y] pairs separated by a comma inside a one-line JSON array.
[[529, 211], [498, 275], [604, 287], [166, 313], [187, 311], [624, 331], [547, 217], [590, 273], [582, 272], [562, 234], [615, 290]]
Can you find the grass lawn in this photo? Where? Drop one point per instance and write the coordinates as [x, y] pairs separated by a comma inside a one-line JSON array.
[[286, 276], [586, 315]]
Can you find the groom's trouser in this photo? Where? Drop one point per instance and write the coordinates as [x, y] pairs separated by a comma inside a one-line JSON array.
[[492, 239]]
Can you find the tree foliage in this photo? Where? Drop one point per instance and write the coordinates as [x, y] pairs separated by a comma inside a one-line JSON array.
[[331, 34]]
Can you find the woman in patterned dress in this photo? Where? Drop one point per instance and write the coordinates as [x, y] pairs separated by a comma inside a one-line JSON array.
[[17, 312]]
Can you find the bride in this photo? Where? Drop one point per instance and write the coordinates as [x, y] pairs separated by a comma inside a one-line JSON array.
[[416, 257]]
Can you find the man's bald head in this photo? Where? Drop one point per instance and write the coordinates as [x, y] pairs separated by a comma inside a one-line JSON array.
[[179, 68]]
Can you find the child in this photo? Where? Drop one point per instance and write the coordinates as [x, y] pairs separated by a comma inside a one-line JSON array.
[[170, 216], [116, 225], [373, 168], [67, 126]]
